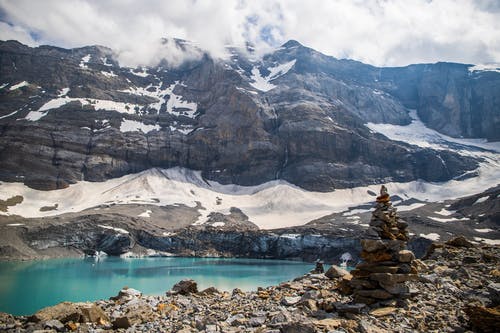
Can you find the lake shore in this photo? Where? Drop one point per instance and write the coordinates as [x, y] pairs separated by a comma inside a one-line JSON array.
[[457, 290]]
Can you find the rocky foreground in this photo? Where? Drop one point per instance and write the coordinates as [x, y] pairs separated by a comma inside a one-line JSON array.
[[457, 290]]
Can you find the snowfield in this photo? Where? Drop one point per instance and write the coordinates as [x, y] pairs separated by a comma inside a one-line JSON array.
[[270, 205]]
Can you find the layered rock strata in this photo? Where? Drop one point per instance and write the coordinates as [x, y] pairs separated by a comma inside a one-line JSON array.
[[387, 264]]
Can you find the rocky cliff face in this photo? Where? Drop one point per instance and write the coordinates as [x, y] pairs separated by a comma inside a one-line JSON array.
[[297, 115]]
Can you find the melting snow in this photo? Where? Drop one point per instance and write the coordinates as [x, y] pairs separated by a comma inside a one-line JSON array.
[[485, 68], [487, 241], [19, 85], [446, 212], [404, 208], [132, 126], [105, 62], [64, 92], [84, 61], [482, 199], [432, 236], [263, 83], [142, 73], [121, 231], [10, 114], [271, 205], [174, 104], [108, 74], [98, 104], [418, 134], [218, 224], [484, 230], [146, 214]]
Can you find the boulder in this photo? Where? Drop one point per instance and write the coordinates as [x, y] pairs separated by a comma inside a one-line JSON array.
[[459, 241], [127, 293], [335, 272], [185, 287], [64, 312], [93, 313]]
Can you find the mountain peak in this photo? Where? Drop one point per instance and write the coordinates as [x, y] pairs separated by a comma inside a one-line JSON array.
[[291, 43]]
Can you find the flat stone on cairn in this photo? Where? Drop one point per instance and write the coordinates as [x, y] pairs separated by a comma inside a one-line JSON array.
[[387, 264]]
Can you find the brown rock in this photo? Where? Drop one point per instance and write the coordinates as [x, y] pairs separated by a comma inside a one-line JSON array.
[[376, 256], [63, 312], [93, 313], [484, 319], [459, 241], [185, 287], [419, 265], [362, 284], [310, 304], [364, 299], [328, 324], [374, 293], [71, 326], [372, 245], [395, 289], [262, 294], [209, 291], [393, 278], [405, 256], [360, 273], [121, 322], [383, 311], [495, 273], [377, 268], [335, 272]]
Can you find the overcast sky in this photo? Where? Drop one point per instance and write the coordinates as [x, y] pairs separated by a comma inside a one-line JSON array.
[[378, 32]]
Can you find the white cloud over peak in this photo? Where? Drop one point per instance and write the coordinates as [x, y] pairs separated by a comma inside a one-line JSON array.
[[389, 32]]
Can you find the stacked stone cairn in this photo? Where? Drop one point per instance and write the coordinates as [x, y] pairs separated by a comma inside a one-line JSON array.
[[381, 278]]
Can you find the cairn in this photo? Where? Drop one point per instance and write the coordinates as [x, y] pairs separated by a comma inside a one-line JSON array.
[[381, 277]]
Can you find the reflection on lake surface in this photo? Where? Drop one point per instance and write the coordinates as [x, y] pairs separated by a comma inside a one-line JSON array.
[[28, 286]]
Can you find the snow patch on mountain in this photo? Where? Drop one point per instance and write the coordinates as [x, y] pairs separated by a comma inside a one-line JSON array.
[[132, 126], [174, 104], [263, 83], [85, 60], [142, 72], [416, 133], [19, 85], [97, 104], [485, 68], [270, 205]]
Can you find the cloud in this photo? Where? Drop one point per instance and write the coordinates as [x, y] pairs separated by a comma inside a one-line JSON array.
[[18, 33], [379, 32]]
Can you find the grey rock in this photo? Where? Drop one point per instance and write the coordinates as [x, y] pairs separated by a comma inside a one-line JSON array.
[[55, 324], [257, 321], [289, 301]]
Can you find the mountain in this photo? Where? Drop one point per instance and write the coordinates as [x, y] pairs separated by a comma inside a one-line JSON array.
[[234, 145], [296, 115]]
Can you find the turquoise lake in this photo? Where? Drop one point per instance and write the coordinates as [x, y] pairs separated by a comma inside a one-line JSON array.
[[28, 286]]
